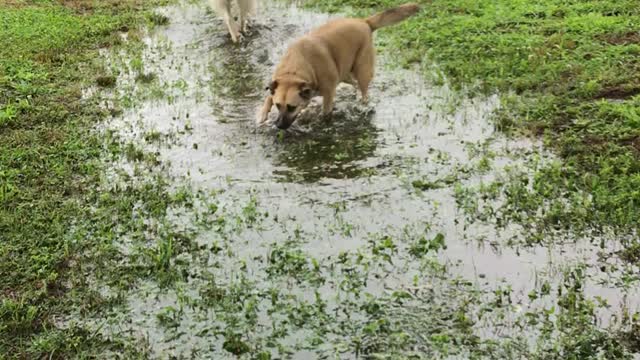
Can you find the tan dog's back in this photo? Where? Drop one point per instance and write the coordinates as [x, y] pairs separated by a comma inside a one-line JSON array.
[[343, 38]]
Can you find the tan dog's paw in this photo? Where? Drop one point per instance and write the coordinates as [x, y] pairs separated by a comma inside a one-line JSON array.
[[263, 114], [261, 119]]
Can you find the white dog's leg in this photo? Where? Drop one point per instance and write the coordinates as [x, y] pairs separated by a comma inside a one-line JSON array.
[[232, 26], [223, 7], [247, 9]]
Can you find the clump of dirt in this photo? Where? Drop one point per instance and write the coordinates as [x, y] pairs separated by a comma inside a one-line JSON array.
[[618, 92], [106, 81], [628, 38]]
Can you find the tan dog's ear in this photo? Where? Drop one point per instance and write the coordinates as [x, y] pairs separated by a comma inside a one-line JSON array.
[[305, 91], [272, 87]]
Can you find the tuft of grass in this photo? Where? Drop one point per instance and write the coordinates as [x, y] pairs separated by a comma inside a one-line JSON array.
[[106, 81], [423, 246], [158, 19], [631, 253], [146, 78]]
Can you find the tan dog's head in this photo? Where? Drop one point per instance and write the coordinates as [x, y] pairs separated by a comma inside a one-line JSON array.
[[290, 98]]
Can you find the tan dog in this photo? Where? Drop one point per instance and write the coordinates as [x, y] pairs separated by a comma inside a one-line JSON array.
[[338, 51]]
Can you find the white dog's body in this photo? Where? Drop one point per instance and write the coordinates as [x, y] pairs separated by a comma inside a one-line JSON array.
[[246, 9]]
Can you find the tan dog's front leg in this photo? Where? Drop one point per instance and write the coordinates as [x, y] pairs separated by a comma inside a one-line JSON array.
[[327, 101], [264, 112]]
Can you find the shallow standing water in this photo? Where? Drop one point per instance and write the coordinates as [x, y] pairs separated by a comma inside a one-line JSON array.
[[331, 189]]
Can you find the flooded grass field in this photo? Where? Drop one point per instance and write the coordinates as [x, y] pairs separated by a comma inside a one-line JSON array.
[[399, 229]]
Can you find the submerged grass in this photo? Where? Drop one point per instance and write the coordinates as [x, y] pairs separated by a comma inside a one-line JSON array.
[[574, 66], [50, 173]]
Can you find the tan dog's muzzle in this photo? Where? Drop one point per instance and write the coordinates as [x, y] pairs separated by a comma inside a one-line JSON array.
[[285, 120]]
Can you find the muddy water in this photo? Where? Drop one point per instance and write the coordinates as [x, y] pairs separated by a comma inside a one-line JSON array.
[[338, 183]]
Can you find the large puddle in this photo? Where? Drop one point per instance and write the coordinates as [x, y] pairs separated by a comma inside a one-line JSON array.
[[389, 170]]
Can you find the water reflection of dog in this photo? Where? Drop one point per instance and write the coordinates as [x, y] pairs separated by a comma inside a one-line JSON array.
[[335, 149], [246, 9], [235, 79]]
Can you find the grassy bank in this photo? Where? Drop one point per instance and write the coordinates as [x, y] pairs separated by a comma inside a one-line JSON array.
[[573, 66], [49, 168]]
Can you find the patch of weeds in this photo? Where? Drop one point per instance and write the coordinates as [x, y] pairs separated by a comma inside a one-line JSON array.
[[106, 81], [169, 317], [631, 253], [146, 78], [394, 326], [424, 246], [533, 200], [134, 153], [290, 261], [250, 211], [570, 329], [425, 185], [339, 206], [484, 164], [341, 226], [158, 19], [153, 136], [163, 253], [50, 161], [136, 64], [233, 343], [383, 247], [630, 335]]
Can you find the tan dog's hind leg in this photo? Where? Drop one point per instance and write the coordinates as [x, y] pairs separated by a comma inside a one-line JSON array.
[[264, 112], [350, 79], [364, 70]]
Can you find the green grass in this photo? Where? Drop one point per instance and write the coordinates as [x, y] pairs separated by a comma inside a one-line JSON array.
[[573, 66], [60, 216], [50, 169]]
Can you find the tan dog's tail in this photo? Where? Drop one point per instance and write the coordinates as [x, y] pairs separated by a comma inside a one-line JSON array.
[[392, 16]]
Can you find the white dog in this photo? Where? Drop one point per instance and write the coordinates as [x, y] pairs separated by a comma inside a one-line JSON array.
[[246, 9]]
